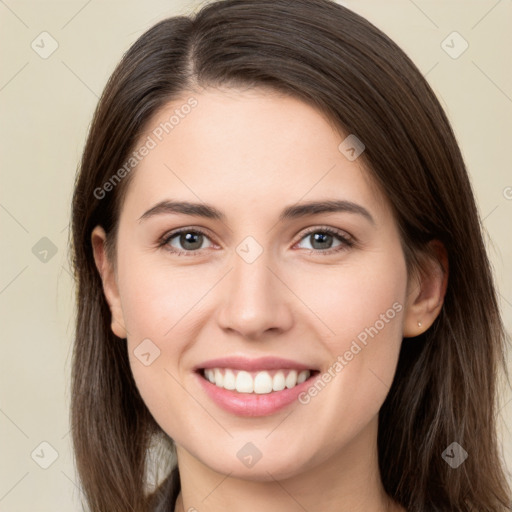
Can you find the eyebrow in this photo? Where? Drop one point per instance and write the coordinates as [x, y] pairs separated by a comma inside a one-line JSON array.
[[290, 212]]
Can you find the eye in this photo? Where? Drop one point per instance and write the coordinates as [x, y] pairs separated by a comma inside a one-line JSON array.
[[191, 240], [321, 238]]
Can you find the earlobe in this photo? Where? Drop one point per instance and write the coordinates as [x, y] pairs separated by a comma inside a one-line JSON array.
[[107, 274], [426, 292]]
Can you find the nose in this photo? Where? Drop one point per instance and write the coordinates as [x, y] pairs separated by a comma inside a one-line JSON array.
[[257, 299]]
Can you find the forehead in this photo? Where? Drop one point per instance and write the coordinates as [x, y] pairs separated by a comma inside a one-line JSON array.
[[246, 150]]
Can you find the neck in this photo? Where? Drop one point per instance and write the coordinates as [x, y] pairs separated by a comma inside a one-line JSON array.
[[349, 481]]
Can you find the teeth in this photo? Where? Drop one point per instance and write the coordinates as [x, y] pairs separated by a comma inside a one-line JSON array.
[[263, 383], [256, 382], [302, 377], [229, 380], [291, 379], [219, 378], [244, 383], [279, 382]]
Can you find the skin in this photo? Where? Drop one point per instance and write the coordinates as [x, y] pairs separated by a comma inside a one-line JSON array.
[[251, 153]]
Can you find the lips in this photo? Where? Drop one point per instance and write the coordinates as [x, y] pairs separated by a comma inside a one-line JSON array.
[[254, 387], [250, 365]]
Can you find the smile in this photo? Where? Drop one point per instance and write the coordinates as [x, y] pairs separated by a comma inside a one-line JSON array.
[[257, 382], [249, 386]]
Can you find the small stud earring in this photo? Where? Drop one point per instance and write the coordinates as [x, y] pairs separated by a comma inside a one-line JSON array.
[[419, 324]]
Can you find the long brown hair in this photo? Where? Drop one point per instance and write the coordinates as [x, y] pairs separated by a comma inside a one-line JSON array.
[[445, 387]]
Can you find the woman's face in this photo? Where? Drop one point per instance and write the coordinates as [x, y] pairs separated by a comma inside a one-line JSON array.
[[260, 279]]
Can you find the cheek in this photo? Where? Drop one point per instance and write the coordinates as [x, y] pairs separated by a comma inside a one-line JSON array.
[[358, 300], [361, 310], [157, 297], [155, 304], [163, 308]]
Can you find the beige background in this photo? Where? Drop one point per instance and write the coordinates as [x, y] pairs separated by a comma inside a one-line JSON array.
[[46, 107]]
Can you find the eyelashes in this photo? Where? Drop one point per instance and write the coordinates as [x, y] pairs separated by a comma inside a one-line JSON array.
[[346, 241]]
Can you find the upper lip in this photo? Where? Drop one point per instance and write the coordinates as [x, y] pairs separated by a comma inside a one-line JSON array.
[[253, 364]]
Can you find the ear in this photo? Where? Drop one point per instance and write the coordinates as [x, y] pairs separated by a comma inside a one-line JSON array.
[[425, 292], [107, 274]]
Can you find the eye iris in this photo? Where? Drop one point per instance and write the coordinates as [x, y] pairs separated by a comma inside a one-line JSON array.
[[188, 238], [321, 238]]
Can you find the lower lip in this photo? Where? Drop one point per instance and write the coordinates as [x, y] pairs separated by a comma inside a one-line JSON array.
[[253, 404]]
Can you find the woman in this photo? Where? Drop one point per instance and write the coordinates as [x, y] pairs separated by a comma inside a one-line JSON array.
[[262, 373]]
